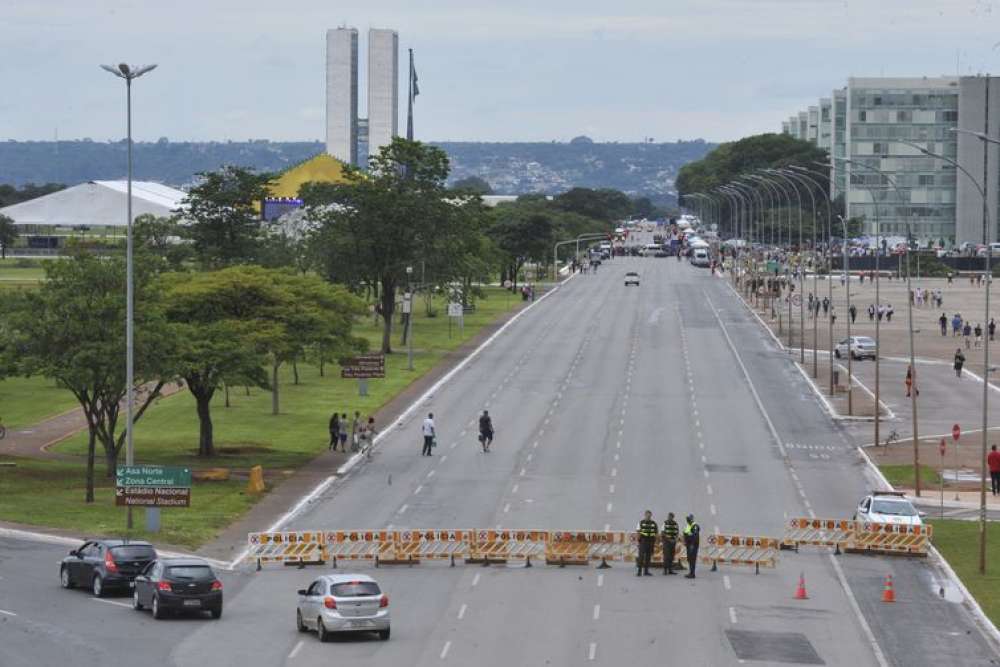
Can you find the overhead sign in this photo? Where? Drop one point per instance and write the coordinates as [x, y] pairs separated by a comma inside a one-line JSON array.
[[363, 367], [152, 496], [154, 476]]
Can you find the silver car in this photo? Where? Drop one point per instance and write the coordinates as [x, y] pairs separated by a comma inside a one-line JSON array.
[[343, 603], [861, 347]]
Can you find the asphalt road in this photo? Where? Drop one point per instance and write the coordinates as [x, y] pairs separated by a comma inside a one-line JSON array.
[[607, 400]]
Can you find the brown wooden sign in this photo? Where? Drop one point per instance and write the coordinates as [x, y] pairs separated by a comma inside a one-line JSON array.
[[357, 373], [363, 367], [152, 496]]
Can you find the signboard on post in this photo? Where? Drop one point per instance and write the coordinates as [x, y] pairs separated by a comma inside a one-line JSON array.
[[407, 303], [455, 310], [363, 368], [153, 486]]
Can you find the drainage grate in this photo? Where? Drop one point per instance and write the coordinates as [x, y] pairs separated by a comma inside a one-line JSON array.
[[725, 467], [790, 647]]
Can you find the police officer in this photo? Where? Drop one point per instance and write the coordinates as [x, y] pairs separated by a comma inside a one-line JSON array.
[[692, 539], [647, 538], [669, 535]]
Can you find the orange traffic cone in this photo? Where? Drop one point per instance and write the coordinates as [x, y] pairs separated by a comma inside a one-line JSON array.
[[888, 594], [800, 591]]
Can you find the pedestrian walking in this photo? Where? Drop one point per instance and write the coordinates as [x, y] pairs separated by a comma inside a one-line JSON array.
[[355, 431], [368, 437], [833, 315], [993, 462], [692, 540], [909, 382], [889, 310], [956, 324], [853, 310], [978, 331], [959, 362], [991, 328], [967, 334], [485, 430], [880, 312], [647, 538], [334, 431], [343, 432], [943, 322], [429, 434], [669, 535], [949, 277], [826, 305]]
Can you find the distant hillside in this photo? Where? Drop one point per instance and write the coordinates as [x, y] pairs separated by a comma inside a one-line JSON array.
[[510, 168]]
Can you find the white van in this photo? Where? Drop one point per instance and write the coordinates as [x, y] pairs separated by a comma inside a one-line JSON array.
[[700, 257]]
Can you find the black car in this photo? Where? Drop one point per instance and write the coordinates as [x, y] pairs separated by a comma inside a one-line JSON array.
[[103, 565], [178, 585]]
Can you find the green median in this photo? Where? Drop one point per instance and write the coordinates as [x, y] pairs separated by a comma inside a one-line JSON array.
[[958, 542]]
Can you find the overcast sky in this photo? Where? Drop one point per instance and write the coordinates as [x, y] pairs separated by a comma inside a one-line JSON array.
[[528, 70]]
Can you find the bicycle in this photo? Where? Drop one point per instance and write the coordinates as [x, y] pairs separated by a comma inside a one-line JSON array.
[[893, 437]]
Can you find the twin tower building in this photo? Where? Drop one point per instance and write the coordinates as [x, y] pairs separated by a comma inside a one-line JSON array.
[[350, 138]]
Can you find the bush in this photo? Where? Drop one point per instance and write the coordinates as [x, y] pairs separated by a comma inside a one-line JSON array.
[[26, 263]]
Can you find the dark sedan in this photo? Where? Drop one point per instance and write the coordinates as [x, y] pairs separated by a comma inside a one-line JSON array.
[[103, 565], [178, 585]]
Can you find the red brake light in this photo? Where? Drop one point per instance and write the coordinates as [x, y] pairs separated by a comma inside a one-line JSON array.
[[163, 586], [329, 602], [216, 585], [109, 562], [384, 602]]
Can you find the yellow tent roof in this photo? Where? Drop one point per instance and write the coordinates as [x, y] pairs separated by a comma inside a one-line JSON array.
[[323, 168]]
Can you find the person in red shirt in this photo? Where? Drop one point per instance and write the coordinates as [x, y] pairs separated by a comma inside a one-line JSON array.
[[993, 461]]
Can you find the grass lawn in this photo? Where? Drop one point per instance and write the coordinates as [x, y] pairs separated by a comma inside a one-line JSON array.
[[958, 542], [12, 275], [213, 504], [27, 401], [902, 475]]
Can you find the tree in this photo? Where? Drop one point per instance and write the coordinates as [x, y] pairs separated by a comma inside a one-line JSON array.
[[604, 204], [473, 185], [225, 225], [398, 214], [162, 237], [522, 234], [8, 234], [72, 328]]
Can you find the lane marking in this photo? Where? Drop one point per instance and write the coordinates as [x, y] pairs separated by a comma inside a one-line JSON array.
[[516, 487], [444, 458], [461, 612], [444, 651], [522, 472], [295, 651], [600, 580], [7, 613], [506, 508], [614, 472], [117, 604], [611, 488], [609, 506], [475, 579], [732, 615], [593, 650], [418, 489], [597, 611], [709, 487], [706, 473], [712, 509], [616, 457], [454, 445], [726, 582], [402, 509], [430, 474], [607, 528]]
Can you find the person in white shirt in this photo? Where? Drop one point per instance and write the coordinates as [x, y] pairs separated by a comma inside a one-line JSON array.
[[429, 433]]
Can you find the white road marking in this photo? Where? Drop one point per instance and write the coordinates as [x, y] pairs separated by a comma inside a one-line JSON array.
[[506, 508], [7, 613], [546, 420], [535, 445], [597, 611], [726, 582], [522, 472], [617, 457], [600, 580], [618, 444], [430, 474], [461, 611], [607, 527], [454, 445], [117, 604], [402, 509], [444, 458], [418, 489], [444, 651], [709, 488], [529, 457], [475, 579], [295, 651], [611, 488], [516, 487], [732, 615], [703, 459], [701, 445], [593, 650], [706, 473], [610, 505], [614, 472], [711, 508], [464, 432], [541, 432]]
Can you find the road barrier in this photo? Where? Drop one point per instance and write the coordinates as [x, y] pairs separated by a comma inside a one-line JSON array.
[[858, 536], [384, 547]]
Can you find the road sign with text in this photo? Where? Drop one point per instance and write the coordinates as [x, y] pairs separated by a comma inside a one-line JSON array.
[[363, 367], [154, 476]]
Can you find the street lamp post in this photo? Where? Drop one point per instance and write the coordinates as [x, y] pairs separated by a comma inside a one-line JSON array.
[[812, 199], [802, 301], [409, 320], [124, 71], [847, 280]]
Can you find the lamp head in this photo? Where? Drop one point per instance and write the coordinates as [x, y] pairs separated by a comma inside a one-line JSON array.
[[124, 69]]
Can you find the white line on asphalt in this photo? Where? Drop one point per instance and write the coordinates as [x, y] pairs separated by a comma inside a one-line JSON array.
[[430, 474], [611, 488], [461, 612], [709, 488], [610, 506], [444, 651], [593, 650], [699, 435], [516, 487], [732, 615], [475, 579], [463, 433], [805, 501], [444, 458], [454, 444], [725, 582], [506, 508], [701, 445], [402, 509], [617, 457], [614, 472], [716, 530], [117, 604], [618, 444], [7, 613], [712, 509], [522, 472], [620, 432], [706, 473], [418, 489], [295, 651], [703, 459], [597, 611], [607, 527], [876, 649], [541, 432], [529, 457]]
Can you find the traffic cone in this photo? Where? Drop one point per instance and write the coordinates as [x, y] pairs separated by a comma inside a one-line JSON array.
[[800, 591], [888, 594]]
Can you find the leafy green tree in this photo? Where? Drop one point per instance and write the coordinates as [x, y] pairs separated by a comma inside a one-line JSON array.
[[163, 238], [522, 234], [604, 204], [72, 328], [225, 225], [398, 214], [473, 185], [8, 234], [11, 195]]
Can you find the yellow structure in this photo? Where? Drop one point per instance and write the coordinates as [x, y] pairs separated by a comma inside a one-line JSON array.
[[256, 482], [323, 168]]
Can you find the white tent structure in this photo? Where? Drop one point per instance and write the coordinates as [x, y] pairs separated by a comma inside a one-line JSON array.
[[92, 204]]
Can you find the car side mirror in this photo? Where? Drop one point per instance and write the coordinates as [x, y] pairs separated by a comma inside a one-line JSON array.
[[74, 552], [303, 592], [922, 513]]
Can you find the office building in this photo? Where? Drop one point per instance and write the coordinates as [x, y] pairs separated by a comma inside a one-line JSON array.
[[383, 88], [342, 94]]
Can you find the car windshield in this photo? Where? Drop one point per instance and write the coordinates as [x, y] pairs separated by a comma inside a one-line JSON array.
[[864, 341], [198, 572], [631, 273], [353, 589], [133, 552], [893, 507]]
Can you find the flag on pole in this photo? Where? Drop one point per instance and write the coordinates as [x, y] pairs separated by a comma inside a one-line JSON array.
[[414, 91]]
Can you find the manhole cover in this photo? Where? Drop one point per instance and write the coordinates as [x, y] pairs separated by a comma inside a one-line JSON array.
[[724, 467], [790, 647]]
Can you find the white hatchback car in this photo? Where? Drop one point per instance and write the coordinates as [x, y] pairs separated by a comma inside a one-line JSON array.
[[343, 603], [888, 507]]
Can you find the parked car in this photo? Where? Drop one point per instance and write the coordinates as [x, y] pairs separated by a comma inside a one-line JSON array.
[[343, 603], [103, 565], [178, 585], [888, 507], [862, 347], [631, 278]]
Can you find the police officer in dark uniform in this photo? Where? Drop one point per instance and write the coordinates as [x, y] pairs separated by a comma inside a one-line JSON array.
[[647, 539], [692, 540], [669, 535]]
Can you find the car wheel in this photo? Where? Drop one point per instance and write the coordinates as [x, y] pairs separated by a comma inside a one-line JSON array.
[[158, 612], [217, 612], [135, 601], [299, 625], [64, 579], [383, 634], [321, 632], [97, 586]]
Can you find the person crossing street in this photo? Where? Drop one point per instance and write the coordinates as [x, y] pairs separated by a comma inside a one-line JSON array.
[[429, 434], [485, 430], [669, 535], [692, 540], [647, 538]]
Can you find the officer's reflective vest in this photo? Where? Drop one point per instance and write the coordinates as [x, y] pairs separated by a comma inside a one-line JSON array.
[[691, 533], [647, 528], [670, 530]]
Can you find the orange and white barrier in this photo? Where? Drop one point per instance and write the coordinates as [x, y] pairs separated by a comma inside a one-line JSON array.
[[818, 532], [859, 536], [290, 548]]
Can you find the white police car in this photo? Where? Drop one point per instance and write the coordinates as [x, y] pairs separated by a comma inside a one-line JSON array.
[[888, 507]]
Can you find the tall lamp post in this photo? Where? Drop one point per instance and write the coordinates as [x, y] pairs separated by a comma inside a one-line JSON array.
[[802, 301], [801, 180], [124, 71]]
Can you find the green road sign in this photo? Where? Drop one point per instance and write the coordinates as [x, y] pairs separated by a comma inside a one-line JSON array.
[[154, 476]]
